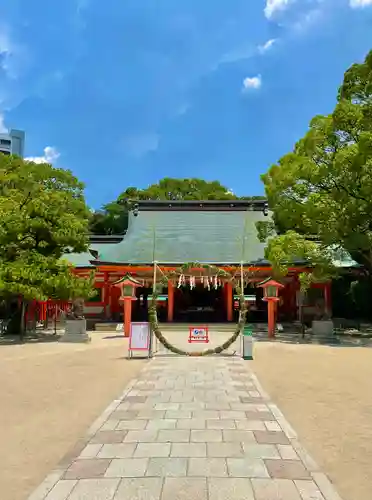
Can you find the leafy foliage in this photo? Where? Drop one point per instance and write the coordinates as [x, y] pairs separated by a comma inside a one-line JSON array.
[[322, 191], [113, 219], [42, 216]]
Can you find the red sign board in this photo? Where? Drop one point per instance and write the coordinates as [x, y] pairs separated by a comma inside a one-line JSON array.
[[198, 334]]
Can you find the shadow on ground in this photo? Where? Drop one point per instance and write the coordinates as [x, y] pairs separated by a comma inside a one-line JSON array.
[[38, 338]]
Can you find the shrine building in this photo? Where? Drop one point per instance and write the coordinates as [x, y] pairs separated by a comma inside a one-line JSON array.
[[171, 233]]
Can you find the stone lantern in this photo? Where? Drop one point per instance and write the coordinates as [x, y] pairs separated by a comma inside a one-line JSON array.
[[271, 296], [127, 285]]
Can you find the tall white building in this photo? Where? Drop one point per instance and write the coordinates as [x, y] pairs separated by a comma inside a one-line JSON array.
[[12, 143]]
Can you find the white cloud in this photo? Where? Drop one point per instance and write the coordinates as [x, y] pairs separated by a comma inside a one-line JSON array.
[[266, 46], [253, 82], [50, 156], [274, 6], [3, 128], [355, 4]]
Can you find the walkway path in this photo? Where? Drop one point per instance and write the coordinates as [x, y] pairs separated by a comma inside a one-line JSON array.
[[189, 429]]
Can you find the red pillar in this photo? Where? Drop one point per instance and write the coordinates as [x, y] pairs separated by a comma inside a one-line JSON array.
[[328, 297], [170, 301], [271, 309], [106, 294], [229, 301], [127, 315]]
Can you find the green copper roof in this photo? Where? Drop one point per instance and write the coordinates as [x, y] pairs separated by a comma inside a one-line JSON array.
[[176, 236], [84, 259]]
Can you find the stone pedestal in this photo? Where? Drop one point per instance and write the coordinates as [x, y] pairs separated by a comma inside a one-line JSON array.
[[75, 331], [322, 327]]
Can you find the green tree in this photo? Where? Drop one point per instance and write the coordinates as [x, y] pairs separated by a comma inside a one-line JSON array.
[[42, 216], [321, 193], [113, 219]]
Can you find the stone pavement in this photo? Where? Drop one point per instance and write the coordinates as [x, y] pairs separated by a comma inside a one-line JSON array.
[[189, 429]]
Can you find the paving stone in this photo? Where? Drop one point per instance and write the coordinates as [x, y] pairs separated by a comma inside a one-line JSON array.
[[167, 467], [218, 405], [250, 425], [275, 489], [110, 425], [122, 450], [178, 414], [173, 436], [232, 414], [231, 489], [287, 469], [273, 426], [238, 436], [287, 452], [253, 450], [61, 490], [220, 424], [181, 397], [90, 451], [191, 423], [306, 459], [195, 406], [108, 437], [149, 414], [255, 394], [149, 450], [149, 405], [123, 406], [257, 415], [95, 489], [87, 469], [261, 407], [135, 399], [73, 453], [224, 450], [189, 450], [247, 467], [187, 488], [165, 423], [167, 406], [144, 436], [127, 467], [325, 486], [268, 437], [123, 415], [207, 467], [129, 425], [205, 436], [144, 488], [308, 490], [206, 414], [242, 406]]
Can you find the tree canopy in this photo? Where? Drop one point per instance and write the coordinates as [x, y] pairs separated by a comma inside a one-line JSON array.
[[42, 216], [321, 192], [113, 219]]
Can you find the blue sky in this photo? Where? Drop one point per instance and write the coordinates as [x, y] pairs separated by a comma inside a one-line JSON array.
[[125, 93]]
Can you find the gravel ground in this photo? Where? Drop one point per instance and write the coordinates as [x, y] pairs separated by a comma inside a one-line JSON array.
[[49, 396], [325, 393]]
